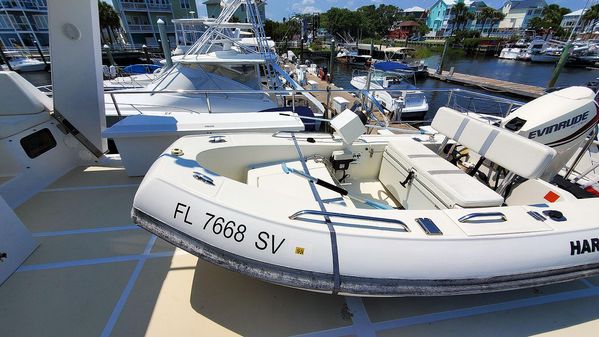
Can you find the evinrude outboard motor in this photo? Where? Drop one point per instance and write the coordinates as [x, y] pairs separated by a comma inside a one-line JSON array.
[[561, 119]]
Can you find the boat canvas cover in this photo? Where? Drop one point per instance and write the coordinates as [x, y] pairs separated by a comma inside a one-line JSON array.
[[391, 66]]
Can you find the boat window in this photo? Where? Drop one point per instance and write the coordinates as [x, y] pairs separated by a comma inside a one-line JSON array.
[[38, 143]]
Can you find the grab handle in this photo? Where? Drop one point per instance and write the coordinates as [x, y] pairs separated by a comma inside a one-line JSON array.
[[472, 216], [297, 215]]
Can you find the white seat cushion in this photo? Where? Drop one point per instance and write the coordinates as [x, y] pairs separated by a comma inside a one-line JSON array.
[[462, 189], [513, 152]]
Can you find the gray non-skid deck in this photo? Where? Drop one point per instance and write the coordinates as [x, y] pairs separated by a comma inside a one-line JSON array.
[[96, 274]]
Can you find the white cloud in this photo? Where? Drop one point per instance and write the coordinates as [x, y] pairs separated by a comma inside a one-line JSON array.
[[308, 2], [311, 9]]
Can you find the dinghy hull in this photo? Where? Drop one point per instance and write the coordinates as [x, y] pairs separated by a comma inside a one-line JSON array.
[[351, 285]]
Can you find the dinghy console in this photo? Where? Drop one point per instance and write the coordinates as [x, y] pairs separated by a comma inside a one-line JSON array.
[[561, 120]]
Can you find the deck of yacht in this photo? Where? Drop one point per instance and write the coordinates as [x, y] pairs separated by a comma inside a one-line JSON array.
[[96, 274]]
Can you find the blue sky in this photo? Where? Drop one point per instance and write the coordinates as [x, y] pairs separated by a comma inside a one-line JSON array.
[[277, 9]]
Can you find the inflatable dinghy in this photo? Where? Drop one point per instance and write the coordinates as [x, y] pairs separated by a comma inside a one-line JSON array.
[[404, 215]]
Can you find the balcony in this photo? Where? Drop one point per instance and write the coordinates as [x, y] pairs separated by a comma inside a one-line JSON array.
[[148, 28], [140, 28], [160, 7], [153, 7], [35, 5]]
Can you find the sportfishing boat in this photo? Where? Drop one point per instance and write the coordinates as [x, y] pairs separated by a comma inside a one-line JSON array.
[[394, 92], [324, 213]]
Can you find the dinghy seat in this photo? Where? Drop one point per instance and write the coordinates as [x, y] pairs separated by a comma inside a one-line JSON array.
[[419, 178], [522, 156], [434, 182]]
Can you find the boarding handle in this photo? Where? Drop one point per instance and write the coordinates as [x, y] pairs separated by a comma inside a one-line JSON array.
[[472, 216]]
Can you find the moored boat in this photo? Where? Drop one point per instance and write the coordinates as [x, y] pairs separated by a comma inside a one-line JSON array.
[[395, 93]]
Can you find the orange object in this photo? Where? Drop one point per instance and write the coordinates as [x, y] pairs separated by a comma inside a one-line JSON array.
[[551, 196]]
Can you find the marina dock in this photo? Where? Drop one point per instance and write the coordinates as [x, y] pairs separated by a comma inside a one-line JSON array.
[[499, 86], [314, 82]]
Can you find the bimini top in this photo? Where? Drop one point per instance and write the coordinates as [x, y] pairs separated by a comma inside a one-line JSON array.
[[391, 66]]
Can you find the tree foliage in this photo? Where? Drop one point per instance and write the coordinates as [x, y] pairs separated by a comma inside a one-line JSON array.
[[281, 31], [592, 14], [550, 20], [109, 19], [367, 21]]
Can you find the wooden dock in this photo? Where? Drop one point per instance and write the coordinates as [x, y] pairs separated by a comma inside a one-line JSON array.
[[327, 102], [498, 86]]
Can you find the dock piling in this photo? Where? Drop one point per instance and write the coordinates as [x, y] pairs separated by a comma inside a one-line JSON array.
[[109, 55], [560, 65], [441, 64], [332, 61], [147, 55]]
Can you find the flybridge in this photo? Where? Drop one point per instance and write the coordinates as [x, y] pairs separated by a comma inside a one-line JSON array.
[[560, 125]]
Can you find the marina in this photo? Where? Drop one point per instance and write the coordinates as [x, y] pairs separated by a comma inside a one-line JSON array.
[[219, 183]]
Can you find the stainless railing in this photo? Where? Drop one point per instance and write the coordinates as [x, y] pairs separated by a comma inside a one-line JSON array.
[[496, 106]]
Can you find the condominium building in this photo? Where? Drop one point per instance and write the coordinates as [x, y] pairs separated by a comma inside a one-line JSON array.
[[139, 18], [22, 22], [213, 8]]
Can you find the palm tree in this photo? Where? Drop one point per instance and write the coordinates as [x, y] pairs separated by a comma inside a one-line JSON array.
[[459, 10], [469, 16], [109, 19], [485, 14], [497, 17], [592, 14]]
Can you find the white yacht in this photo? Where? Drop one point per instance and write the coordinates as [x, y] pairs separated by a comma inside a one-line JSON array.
[[394, 93]]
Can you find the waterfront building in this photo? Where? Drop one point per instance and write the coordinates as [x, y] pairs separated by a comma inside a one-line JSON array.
[[416, 13], [569, 22], [139, 18], [479, 25], [403, 30], [518, 14], [441, 18], [213, 9], [22, 22]]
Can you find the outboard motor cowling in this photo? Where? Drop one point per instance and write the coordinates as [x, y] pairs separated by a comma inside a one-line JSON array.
[[561, 120]]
